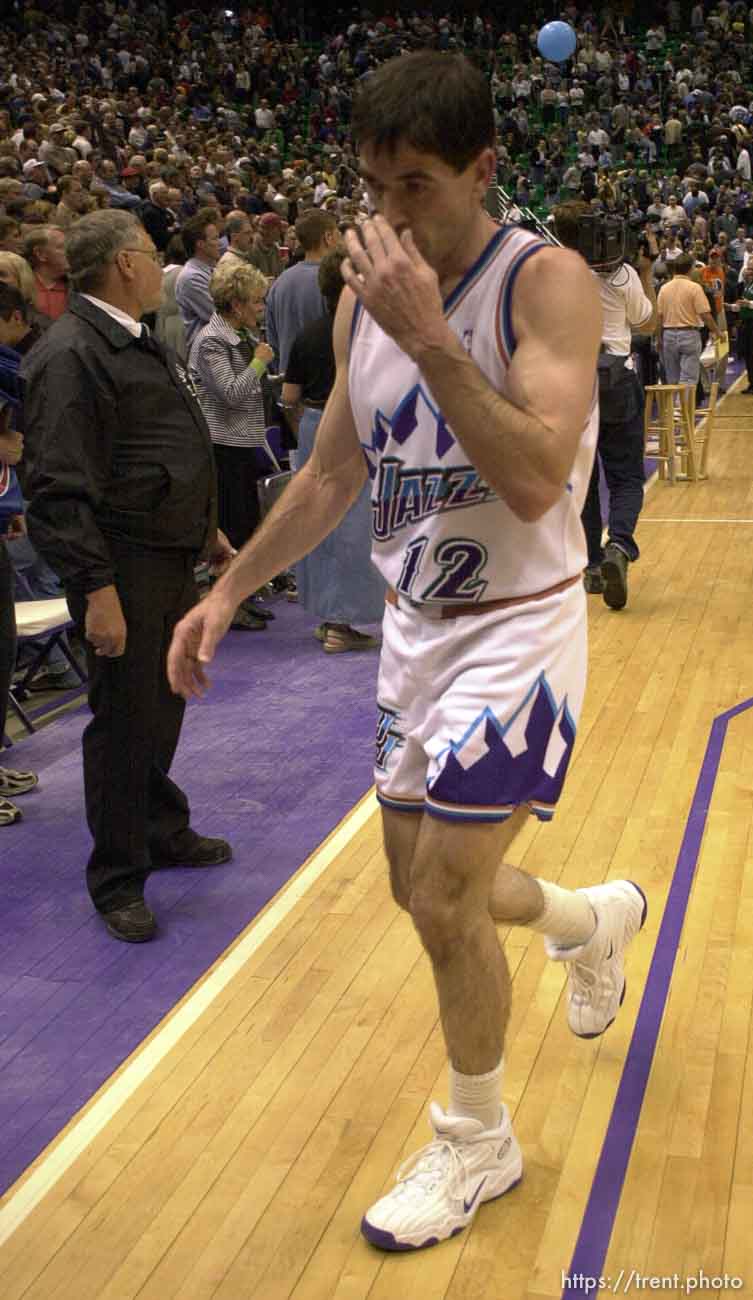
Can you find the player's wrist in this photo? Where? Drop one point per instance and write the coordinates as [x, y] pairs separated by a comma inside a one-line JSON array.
[[432, 345]]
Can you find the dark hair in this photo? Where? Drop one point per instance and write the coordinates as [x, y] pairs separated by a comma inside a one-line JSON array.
[[312, 227], [17, 209], [194, 229], [175, 253], [233, 224], [566, 218], [439, 104], [11, 299], [682, 264], [330, 278]]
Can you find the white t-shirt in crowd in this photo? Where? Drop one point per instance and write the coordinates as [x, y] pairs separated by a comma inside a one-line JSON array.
[[624, 305]]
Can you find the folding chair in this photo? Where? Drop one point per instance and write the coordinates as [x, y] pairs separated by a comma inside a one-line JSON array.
[[41, 618]]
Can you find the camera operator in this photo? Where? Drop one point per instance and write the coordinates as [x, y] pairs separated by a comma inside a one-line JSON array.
[[628, 303]]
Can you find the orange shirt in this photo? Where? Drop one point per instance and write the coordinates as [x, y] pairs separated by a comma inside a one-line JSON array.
[[680, 304], [713, 280]]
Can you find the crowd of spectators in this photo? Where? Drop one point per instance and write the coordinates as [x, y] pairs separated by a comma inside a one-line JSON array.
[[221, 130], [132, 106]]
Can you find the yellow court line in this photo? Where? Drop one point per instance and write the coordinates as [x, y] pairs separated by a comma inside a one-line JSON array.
[[58, 1160]]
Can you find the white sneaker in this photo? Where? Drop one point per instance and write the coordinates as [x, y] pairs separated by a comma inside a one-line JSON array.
[[596, 983], [440, 1188]]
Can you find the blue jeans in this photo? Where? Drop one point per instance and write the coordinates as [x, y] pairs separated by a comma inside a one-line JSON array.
[[682, 351], [620, 451]]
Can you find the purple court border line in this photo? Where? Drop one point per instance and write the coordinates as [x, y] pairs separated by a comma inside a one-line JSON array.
[[598, 1220]]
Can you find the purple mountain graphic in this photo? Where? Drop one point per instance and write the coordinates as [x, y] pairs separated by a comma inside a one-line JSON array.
[[522, 761], [413, 409]]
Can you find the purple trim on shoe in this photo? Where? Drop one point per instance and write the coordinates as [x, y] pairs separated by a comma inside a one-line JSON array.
[[644, 914], [645, 903], [386, 1241], [609, 1022]]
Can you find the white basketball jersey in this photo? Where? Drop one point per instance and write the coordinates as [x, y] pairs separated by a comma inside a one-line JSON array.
[[440, 534]]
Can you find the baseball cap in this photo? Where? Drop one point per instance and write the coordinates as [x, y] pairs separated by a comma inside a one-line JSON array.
[[130, 171], [31, 164], [269, 219], [57, 127]]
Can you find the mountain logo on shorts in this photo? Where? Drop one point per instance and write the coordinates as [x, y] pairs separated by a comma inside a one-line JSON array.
[[388, 736], [414, 412], [521, 760]]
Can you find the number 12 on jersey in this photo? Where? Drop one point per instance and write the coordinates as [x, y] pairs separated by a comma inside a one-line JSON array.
[[459, 561]]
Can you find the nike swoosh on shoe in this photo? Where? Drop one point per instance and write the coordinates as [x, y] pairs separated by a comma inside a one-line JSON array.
[[468, 1205]]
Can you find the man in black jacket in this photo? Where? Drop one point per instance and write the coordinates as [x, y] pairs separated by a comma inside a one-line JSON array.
[[157, 217], [123, 502]]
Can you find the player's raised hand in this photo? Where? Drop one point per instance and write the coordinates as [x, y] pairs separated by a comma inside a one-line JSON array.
[[396, 285]]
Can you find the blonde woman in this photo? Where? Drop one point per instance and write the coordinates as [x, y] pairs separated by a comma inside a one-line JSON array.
[[16, 272], [228, 361]]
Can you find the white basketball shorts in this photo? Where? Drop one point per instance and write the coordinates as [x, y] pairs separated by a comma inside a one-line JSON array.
[[477, 714]]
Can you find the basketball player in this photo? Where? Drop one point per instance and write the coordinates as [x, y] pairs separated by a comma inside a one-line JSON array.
[[466, 359]]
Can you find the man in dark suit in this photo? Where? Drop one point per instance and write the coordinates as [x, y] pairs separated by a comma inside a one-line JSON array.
[[123, 502]]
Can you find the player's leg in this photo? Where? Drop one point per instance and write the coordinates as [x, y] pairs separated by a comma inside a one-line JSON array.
[[453, 870], [400, 832], [515, 898], [588, 929], [566, 917], [474, 1156]]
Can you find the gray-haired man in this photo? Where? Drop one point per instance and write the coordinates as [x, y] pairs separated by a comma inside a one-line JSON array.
[[123, 502]]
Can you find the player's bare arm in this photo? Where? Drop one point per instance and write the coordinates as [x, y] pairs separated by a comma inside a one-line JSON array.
[[524, 448], [312, 505]]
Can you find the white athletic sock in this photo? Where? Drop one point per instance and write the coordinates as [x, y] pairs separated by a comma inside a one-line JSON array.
[[477, 1096], [567, 919]]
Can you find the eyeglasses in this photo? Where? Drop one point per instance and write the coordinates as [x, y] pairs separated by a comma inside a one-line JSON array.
[[153, 254]]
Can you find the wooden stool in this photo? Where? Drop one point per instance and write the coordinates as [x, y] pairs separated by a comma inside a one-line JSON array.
[[663, 427], [674, 429], [686, 443], [705, 429]]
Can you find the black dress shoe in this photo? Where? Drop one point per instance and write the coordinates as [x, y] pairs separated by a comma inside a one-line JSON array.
[[187, 849], [245, 621], [133, 923], [251, 606]]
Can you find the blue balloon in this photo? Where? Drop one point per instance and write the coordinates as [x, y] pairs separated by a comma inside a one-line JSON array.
[[556, 41]]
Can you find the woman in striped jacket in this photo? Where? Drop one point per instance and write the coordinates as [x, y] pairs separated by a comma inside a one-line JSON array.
[[227, 362]]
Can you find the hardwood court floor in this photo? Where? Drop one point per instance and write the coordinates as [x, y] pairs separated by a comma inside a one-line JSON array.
[[241, 1165]]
